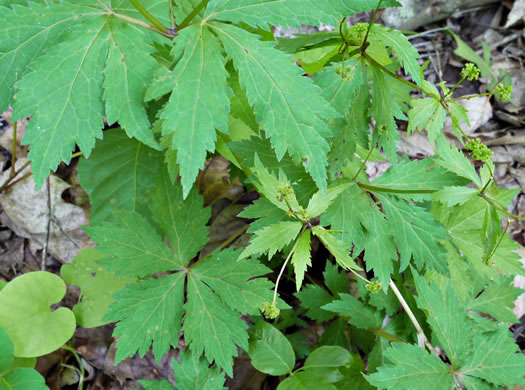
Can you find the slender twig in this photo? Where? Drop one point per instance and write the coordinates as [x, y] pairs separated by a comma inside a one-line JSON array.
[[10, 179], [13, 151], [48, 229], [77, 154], [485, 186], [144, 12], [413, 319], [495, 248], [192, 14], [13, 183]]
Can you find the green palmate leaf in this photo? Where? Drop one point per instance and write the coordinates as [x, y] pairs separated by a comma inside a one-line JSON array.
[[454, 195], [498, 301], [288, 12], [405, 52], [68, 104], [193, 372], [447, 318], [218, 287], [413, 176], [385, 110], [33, 328], [320, 202], [133, 247], [339, 249], [360, 315], [199, 103], [412, 368], [270, 351], [269, 186], [417, 234], [496, 359], [273, 238], [266, 213], [301, 258], [455, 161], [379, 246], [150, 312], [119, 173], [427, 114], [345, 214], [128, 71], [184, 222], [233, 281], [281, 95], [210, 325], [27, 42], [97, 286], [335, 281], [313, 298], [340, 89]]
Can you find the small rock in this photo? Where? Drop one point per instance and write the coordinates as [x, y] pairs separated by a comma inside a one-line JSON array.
[[417, 13]]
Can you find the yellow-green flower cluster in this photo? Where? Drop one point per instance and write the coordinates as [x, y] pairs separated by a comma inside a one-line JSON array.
[[479, 151], [470, 72], [269, 310], [374, 286], [502, 92]]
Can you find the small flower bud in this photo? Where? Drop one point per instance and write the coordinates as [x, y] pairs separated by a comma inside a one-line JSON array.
[[479, 151], [503, 93], [269, 310], [374, 286]]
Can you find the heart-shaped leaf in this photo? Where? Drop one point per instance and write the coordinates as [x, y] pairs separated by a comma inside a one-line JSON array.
[[26, 315]]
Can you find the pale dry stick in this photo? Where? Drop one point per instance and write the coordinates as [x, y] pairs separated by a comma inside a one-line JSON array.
[[420, 333], [48, 230]]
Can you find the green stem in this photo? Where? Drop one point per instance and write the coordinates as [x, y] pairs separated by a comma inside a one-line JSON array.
[[139, 23], [192, 14], [473, 96], [485, 186], [80, 365], [172, 16], [13, 151], [493, 251], [364, 162], [368, 187], [388, 336], [364, 45], [395, 76], [284, 265], [494, 203], [144, 12], [412, 317], [455, 86]]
